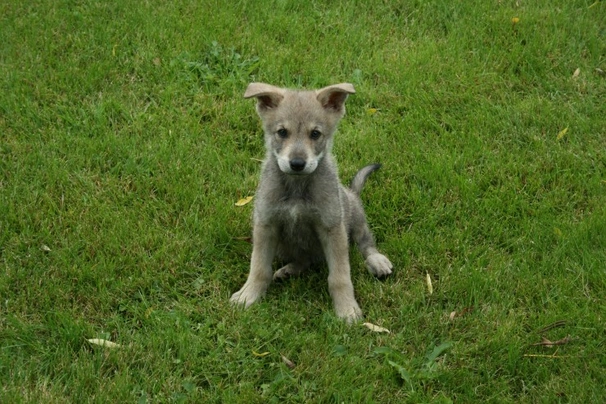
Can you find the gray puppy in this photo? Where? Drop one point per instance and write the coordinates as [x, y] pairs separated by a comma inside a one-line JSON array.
[[303, 215]]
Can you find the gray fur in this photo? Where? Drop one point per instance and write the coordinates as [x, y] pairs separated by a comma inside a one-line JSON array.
[[303, 215]]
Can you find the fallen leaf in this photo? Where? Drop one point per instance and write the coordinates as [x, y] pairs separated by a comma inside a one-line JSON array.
[[562, 133], [461, 313], [244, 201], [429, 284], [376, 328], [45, 248], [550, 344], [576, 73], [287, 362], [260, 355], [515, 20], [104, 343], [371, 111]]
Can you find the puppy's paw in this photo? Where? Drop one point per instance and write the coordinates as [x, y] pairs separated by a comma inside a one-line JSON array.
[[379, 265], [349, 311], [250, 293], [350, 314], [287, 271]]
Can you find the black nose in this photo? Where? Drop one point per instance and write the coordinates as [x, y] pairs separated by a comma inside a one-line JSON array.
[[297, 164]]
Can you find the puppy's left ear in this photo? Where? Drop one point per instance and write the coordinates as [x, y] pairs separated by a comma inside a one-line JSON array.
[[333, 97]]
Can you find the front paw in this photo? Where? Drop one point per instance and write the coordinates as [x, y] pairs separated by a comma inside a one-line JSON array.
[[250, 293], [378, 265], [351, 313]]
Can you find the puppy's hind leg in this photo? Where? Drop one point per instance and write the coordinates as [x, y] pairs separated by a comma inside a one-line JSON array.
[[377, 263], [260, 275], [289, 270]]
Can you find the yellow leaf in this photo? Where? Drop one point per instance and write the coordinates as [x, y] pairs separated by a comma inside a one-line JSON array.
[[260, 355], [371, 111], [376, 328], [576, 73], [515, 20], [104, 343], [244, 201], [428, 281], [562, 133]]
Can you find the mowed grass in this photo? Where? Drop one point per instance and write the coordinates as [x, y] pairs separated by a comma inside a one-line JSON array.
[[125, 142]]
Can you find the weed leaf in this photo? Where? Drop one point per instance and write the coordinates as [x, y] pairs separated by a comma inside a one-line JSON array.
[[404, 374], [383, 350], [437, 351]]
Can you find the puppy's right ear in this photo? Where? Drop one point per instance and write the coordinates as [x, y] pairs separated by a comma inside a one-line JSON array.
[[268, 96]]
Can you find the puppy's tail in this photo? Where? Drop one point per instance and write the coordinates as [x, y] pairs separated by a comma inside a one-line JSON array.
[[360, 178]]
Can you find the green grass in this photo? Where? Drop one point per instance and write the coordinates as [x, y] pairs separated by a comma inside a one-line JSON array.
[[125, 141]]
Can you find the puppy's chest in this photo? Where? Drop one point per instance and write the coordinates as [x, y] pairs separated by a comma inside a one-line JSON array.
[[296, 212]]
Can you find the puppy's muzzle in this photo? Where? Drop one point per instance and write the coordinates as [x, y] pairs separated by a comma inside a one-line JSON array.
[[297, 164]]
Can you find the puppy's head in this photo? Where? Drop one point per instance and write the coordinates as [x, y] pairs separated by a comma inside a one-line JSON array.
[[299, 125]]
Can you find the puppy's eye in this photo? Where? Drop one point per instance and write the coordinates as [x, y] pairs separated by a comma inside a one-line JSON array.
[[283, 133], [315, 134]]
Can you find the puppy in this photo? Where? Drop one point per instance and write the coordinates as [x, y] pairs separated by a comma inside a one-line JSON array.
[[302, 214]]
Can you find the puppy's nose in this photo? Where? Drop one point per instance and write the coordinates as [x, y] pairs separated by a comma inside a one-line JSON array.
[[297, 164]]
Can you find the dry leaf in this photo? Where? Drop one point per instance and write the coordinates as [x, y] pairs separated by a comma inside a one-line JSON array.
[[104, 343], [452, 315], [376, 328], [260, 355], [429, 284], [45, 248], [287, 362], [244, 201], [562, 133], [550, 344], [576, 73]]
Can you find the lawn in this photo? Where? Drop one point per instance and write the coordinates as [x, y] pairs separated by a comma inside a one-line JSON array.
[[125, 143]]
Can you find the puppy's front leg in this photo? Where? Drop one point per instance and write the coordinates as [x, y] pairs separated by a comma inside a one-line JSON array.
[[336, 249], [260, 275]]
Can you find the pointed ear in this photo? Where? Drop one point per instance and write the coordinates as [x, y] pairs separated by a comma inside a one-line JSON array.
[[333, 97], [268, 96]]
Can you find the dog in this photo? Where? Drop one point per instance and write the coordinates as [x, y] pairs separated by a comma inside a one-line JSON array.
[[302, 213]]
